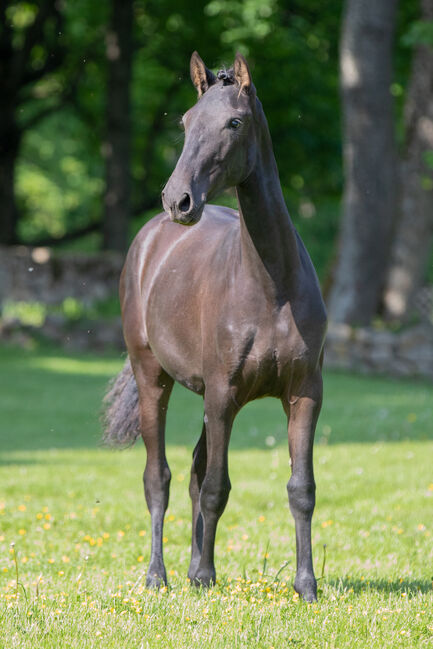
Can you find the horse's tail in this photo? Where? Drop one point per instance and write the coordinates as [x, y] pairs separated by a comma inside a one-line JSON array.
[[120, 414]]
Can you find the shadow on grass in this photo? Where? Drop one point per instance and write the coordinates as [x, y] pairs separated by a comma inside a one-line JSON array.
[[52, 399], [410, 587]]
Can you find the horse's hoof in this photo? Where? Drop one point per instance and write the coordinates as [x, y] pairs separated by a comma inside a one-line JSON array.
[[192, 571], [203, 579], [153, 580], [306, 587]]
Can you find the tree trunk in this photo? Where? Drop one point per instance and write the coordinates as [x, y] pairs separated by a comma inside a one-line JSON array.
[[414, 234], [9, 147], [116, 148], [369, 159]]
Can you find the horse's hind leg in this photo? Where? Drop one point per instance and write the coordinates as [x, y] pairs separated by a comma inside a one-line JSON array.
[[303, 413], [154, 388], [198, 470]]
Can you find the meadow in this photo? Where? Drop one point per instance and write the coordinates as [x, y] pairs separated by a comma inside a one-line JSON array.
[[75, 532]]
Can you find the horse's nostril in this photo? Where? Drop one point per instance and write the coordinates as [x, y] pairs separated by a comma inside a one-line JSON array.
[[185, 203]]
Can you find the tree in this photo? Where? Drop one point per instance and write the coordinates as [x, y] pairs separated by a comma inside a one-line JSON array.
[[116, 148], [413, 239], [369, 158], [30, 49]]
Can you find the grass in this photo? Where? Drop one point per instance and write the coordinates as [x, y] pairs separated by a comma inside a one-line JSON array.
[[76, 515]]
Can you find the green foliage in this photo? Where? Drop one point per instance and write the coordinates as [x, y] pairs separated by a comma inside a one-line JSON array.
[[293, 54], [35, 313], [59, 180], [76, 515], [420, 32], [28, 313], [294, 63]]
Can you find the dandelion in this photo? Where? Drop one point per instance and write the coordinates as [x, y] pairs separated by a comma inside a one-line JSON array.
[[22, 532], [261, 519], [22, 508], [142, 533], [46, 526], [140, 558]]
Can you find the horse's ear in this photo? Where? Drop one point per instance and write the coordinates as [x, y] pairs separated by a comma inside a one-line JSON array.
[[243, 75], [201, 77]]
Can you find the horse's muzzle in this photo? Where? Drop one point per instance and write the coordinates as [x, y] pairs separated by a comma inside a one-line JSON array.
[[184, 210]]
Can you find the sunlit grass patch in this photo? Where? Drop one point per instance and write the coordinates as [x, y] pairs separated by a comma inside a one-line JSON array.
[[75, 532], [61, 365]]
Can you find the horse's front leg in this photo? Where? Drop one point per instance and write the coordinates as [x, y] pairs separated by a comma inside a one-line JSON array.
[[215, 488], [154, 388], [303, 411]]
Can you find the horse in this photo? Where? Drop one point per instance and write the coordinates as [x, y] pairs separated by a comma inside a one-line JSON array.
[[228, 304]]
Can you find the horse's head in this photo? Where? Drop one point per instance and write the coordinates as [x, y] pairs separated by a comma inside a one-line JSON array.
[[220, 142]]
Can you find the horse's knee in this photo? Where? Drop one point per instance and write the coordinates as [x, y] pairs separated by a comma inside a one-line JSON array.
[[302, 496], [214, 495]]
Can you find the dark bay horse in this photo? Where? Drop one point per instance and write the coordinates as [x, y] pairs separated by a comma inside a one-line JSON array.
[[230, 308]]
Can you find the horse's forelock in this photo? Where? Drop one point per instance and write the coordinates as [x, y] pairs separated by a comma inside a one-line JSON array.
[[227, 76]]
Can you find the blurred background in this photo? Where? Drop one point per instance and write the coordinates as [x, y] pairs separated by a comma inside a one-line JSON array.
[[90, 101]]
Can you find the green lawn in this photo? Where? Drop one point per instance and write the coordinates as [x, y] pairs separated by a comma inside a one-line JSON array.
[[77, 517]]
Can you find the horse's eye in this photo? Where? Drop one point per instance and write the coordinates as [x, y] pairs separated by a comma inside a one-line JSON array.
[[235, 123]]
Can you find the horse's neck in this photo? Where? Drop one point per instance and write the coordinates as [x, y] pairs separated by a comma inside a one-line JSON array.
[[268, 240]]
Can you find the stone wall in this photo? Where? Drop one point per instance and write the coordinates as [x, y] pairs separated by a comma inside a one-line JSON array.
[[38, 274], [373, 351]]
